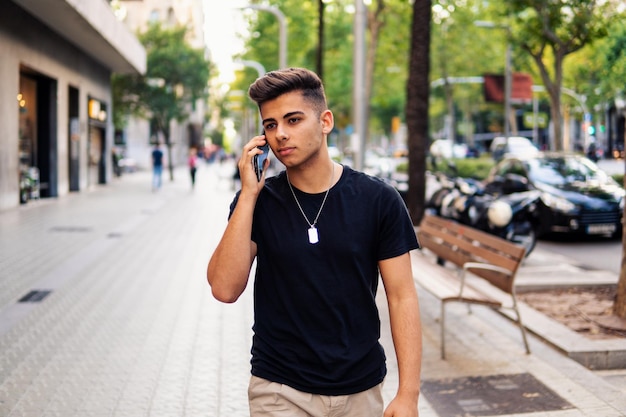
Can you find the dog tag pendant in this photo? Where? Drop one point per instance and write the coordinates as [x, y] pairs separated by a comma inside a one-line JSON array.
[[313, 236]]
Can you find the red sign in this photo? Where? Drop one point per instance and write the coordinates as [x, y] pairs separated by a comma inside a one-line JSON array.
[[521, 88]]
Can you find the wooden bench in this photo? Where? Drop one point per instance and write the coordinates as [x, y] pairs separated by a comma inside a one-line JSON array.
[[486, 256]]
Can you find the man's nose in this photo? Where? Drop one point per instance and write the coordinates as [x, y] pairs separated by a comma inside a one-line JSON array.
[[281, 133]]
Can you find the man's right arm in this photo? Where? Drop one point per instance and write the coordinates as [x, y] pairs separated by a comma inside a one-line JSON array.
[[229, 267]]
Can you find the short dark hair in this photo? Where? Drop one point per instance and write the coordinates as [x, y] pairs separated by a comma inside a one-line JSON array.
[[279, 82]]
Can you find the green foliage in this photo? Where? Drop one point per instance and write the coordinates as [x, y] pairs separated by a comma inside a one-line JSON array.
[[176, 77], [390, 71], [611, 58], [477, 168], [458, 49]]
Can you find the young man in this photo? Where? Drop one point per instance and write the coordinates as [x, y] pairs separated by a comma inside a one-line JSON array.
[[321, 233]]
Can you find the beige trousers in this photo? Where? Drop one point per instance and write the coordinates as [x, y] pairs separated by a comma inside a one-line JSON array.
[[271, 399]]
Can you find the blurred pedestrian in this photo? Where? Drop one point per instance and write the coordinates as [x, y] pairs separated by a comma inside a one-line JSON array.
[[192, 162], [157, 167], [115, 161], [321, 234]]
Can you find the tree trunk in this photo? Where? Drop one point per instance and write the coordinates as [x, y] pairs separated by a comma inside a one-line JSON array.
[[320, 40], [557, 120], [168, 143], [374, 24], [418, 90], [553, 88], [619, 307]]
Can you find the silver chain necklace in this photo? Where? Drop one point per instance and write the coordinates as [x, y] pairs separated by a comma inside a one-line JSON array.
[[313, 235]]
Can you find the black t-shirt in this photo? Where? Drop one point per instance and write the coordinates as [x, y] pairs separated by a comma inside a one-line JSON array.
[[316, 324]]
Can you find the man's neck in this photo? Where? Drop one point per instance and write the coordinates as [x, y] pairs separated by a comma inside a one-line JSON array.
[[316, 178]]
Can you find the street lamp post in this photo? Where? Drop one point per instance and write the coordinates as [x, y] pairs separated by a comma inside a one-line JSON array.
[[359, 104], [508, 76], [261, 71], [282, 55]]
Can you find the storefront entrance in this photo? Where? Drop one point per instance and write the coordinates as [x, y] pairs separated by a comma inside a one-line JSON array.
[[37, 146], [74, 140], [95, 150], [96, 144]]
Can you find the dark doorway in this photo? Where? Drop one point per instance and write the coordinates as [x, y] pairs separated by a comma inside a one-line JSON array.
[[38, 135], [47, 136], [74, 140]]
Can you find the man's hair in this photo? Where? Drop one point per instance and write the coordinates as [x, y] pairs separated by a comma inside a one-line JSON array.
[[279, 82]]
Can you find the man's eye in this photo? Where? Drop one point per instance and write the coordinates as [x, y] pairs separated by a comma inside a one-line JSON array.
[[269, 126], [294, 120]]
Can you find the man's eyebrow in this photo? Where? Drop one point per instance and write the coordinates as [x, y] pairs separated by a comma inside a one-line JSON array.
[[285, 116], [293, 113], [269, 119]]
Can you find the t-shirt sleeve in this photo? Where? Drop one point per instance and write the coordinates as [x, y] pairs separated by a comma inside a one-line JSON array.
[[397, 234]]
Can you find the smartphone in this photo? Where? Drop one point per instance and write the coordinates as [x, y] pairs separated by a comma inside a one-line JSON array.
[[259, 160]]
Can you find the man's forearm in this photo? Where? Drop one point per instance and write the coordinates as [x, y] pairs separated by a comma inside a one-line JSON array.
[[229, 267], [407, 340]]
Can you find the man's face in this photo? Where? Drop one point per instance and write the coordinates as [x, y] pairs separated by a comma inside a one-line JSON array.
[[294, 130]]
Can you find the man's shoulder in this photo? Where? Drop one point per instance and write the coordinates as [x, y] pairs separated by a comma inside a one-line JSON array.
[[366, 180]]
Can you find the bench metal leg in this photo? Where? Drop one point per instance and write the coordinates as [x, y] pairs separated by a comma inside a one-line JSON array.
[[522, 328], [443, 330]]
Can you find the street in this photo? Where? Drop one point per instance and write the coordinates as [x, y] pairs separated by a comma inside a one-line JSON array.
[[603, 254]]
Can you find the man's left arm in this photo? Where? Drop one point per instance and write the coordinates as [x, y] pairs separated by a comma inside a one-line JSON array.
[[406, 332]]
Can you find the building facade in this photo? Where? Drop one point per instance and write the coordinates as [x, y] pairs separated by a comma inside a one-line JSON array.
[[56, 61]]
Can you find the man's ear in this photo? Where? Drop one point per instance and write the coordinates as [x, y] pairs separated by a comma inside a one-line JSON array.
[[328, 121]]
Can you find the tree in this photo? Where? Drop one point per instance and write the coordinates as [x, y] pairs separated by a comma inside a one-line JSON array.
[[598, 72], [613, 72], [418, 90], [176, 76], [549, 31]]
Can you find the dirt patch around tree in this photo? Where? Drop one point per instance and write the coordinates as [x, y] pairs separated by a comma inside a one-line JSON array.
[[587, 311]]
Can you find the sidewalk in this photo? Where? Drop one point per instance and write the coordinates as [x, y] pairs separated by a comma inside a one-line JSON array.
[[126, 324]]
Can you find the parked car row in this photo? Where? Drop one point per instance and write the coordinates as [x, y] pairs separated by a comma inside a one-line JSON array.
[[577, 197], [499, 147]]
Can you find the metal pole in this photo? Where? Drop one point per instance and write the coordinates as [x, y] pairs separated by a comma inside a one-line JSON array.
[[508, 76], [261, 70], [282, 54], [358, 140], [508, 82], [535, 121]]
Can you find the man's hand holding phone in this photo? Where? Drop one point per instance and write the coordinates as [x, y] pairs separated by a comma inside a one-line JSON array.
[[259, 160]]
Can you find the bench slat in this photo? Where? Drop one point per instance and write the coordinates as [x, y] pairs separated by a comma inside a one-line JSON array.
[[460, 244]]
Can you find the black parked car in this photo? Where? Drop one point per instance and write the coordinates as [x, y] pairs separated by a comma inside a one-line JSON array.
[[577, 196]]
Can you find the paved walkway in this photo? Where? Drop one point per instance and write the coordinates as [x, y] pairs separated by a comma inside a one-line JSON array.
[[126, 325]]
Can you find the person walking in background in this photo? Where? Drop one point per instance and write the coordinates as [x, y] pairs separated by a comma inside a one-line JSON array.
[[192, 163], [321, 234], [115, 162], [157, 167]]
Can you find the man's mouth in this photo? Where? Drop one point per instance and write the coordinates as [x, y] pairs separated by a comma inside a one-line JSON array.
[[285, 151]]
